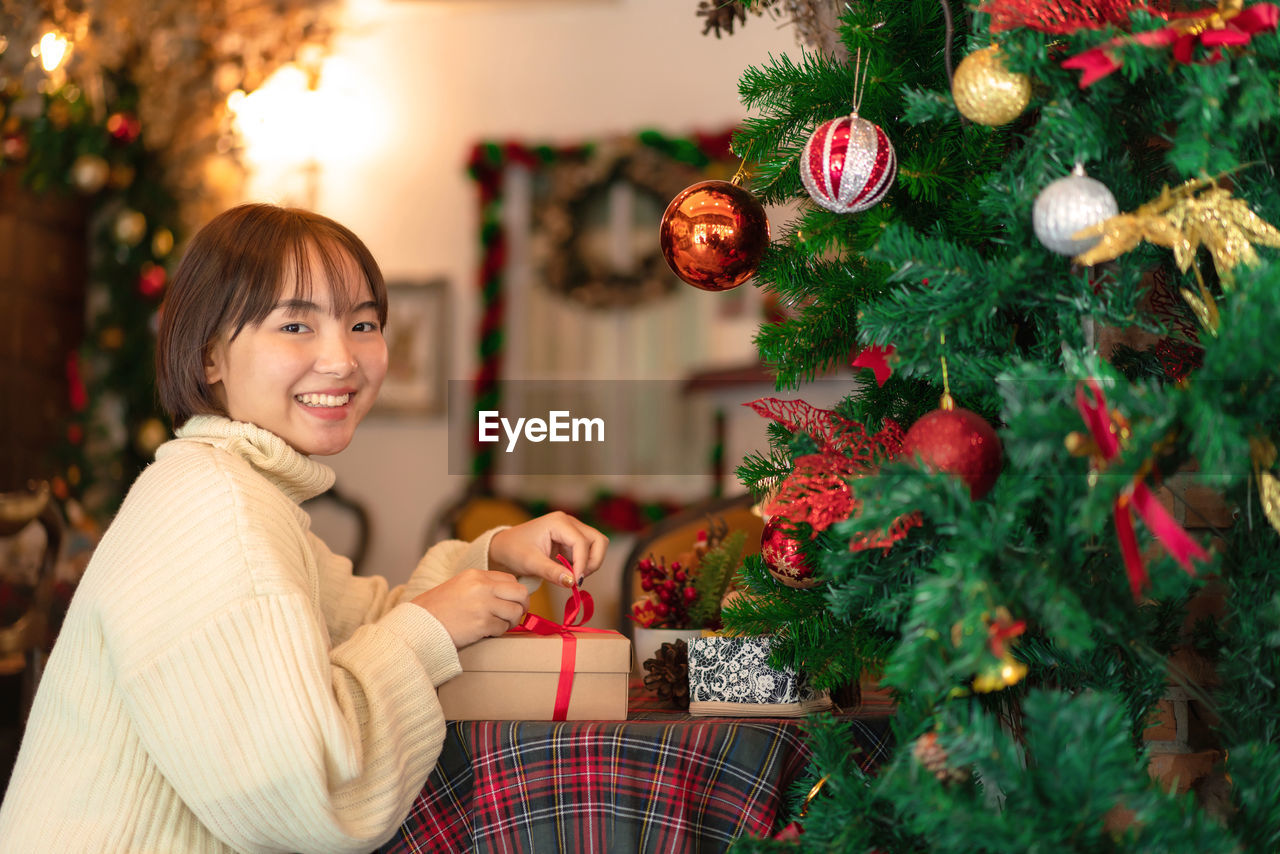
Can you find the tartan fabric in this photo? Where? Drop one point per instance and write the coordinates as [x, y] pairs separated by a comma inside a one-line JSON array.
[[673, 784]]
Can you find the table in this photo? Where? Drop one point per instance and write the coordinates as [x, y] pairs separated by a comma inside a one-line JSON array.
[[661, 781]]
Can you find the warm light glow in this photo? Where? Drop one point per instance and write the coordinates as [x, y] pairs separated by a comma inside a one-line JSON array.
[[51, 50], [703, 232], [288, 122]]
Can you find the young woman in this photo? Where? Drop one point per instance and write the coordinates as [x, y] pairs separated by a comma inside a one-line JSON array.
[[222, 681]]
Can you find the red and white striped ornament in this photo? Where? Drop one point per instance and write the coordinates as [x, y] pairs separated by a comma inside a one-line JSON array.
[[848, 164]]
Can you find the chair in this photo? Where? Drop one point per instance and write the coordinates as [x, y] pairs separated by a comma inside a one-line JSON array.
[[24, 641], [676, 535], [360, 523]]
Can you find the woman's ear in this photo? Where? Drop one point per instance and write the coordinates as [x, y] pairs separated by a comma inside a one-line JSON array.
[[213, 358]]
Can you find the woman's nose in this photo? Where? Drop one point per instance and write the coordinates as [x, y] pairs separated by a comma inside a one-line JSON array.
[[337, 357]]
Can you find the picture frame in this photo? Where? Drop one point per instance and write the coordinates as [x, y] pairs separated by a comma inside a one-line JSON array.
[[417, 334]]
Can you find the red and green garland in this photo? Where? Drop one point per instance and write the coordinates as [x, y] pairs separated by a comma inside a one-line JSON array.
[[487, 165], [76, 148]]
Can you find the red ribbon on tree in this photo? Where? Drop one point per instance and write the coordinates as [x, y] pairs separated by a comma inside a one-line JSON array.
[[877, 359], [577, 610], [1136, 496], [1227, 26]]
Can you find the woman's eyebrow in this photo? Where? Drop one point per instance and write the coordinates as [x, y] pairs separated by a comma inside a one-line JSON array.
[[296, 306]]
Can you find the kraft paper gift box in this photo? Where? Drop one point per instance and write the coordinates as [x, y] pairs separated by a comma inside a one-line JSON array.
[[732, 676], [515, 677]]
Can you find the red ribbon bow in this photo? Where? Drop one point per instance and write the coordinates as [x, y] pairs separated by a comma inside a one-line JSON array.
[[577, 610], [1213, 28], [1135, 497]]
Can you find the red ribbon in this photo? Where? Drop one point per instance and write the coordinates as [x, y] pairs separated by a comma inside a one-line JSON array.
[[1182, 35], [1135, 497], [577, 610]]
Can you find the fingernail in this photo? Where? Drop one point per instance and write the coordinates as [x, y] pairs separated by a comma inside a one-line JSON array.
[[566, 579]]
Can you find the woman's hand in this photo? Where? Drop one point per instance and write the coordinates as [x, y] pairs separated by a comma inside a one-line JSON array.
[[476, 604], [530, 549]]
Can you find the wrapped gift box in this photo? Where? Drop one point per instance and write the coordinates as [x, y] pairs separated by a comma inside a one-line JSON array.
[[732, 676], [515, 676]]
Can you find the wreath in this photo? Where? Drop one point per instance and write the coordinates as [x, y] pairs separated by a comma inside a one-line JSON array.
[[567, 252]]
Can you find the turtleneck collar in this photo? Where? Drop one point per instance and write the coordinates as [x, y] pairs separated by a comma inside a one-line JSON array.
[[296, 475]]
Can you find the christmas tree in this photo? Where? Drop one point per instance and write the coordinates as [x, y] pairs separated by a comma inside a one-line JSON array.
[[998, 522]]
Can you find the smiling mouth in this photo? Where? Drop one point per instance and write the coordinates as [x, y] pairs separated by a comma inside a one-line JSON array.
[[323, 400]]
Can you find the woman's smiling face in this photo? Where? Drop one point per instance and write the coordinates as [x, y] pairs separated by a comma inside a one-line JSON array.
[[310, 372]]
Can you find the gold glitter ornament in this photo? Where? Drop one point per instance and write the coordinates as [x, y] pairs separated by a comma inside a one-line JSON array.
[[1262, 452], [1195, 214], [1269, 490], [987, 92]]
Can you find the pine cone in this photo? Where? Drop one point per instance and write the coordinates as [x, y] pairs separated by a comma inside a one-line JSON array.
[[668, 674], [932, 756], [721, 13]]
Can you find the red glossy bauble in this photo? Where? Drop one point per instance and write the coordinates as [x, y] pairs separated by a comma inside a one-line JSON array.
[[960, 442], [781, 553], [713, 235]]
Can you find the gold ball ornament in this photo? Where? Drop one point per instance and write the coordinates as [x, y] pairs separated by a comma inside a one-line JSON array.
[[130, 227], [151, 434], [986, 92], [162, 242]]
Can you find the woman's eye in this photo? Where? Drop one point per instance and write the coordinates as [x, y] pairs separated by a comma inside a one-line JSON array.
[[294, 328], [366, 326]]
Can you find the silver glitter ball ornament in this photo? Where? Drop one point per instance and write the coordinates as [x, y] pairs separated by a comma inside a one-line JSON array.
[[1068, 205]]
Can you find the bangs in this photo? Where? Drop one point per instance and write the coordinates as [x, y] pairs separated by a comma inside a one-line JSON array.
[[310, 251]]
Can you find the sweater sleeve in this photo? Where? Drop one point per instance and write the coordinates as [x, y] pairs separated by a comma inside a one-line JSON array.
[[351, 601], [276, 736], [279, 744]]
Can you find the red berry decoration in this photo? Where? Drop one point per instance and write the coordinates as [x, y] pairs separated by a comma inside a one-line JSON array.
[[671, 594], [960, 442], [713, 235], [782, 555], [848, 164]]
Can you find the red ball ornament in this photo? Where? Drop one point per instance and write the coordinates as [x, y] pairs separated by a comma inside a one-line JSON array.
[[14, 146], [848, 164], [960, 442], [151, 280], [124, 127], [782, 555], [713, 235]]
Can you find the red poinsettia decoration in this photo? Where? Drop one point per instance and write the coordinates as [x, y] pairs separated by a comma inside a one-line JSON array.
[[817, 491]]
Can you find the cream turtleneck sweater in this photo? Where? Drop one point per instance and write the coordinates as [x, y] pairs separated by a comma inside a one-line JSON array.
[[222, 682]]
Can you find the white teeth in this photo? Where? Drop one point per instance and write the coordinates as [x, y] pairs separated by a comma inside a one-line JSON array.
[[323, 399]]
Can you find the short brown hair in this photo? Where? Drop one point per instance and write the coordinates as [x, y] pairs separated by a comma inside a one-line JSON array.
[[232, 275]]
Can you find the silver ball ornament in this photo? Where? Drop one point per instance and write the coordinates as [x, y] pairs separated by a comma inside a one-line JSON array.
[[1068, 205]]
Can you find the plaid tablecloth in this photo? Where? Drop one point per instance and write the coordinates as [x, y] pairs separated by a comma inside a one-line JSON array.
[[669, 783]]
